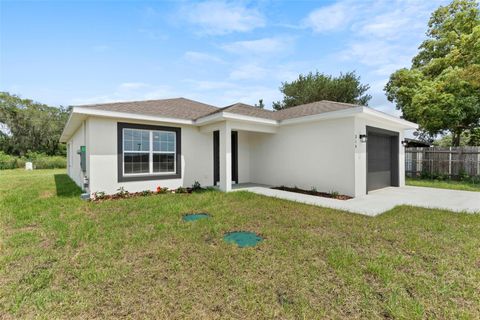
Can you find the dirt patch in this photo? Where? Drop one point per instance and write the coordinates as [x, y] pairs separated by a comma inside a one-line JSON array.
[[46, 194], [314, 193]]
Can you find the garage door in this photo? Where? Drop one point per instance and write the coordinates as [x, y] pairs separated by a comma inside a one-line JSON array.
[[382, 164]]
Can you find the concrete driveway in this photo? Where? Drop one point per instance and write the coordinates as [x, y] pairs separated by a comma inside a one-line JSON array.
[[382, 200]]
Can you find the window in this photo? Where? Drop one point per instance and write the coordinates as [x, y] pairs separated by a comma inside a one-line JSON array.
[[148, 152]]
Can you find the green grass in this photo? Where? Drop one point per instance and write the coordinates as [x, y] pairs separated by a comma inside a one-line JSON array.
[[64, 258], [444, 184]]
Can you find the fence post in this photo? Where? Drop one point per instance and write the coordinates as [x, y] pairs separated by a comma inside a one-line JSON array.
[[478, 161], [450, 162]]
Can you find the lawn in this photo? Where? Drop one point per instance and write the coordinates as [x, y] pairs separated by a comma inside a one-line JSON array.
[[61, 257], [444, 184]]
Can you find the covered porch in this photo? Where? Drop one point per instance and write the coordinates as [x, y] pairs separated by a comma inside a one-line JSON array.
[[232, 152]]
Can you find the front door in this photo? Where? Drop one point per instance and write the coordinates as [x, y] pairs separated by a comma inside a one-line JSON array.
[[216, 157]]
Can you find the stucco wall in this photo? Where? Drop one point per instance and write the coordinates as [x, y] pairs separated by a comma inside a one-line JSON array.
[[243, 156], [73, 159], [197, 158], [317, 154], [325, 154]]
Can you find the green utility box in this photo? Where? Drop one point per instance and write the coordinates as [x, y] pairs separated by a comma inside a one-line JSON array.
[[83, 158]]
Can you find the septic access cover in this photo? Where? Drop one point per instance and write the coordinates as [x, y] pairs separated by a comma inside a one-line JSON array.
[[242, 238], [195, 216]]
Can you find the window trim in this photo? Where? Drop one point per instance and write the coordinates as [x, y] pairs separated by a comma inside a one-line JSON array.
[[122, 177]]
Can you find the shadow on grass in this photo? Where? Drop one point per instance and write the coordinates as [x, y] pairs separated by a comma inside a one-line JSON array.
[[66, 187]]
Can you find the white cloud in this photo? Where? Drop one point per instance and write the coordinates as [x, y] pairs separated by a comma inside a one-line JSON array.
[[200, 57], [221, 17], [132, 85], [329, 18], [260, 46], [382, 57], [209, 85], [248, 72], [387, 26]]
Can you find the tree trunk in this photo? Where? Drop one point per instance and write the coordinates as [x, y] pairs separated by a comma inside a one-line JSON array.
[[456, 138]]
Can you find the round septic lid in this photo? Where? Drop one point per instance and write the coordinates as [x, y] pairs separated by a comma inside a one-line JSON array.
[[195, 216], [242, 238]]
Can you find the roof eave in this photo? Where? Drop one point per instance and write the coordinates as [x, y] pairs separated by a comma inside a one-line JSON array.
[[402, 123], [223, 116], [73, 123]]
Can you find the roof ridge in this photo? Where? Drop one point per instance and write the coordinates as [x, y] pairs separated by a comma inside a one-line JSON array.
[[347, 103], [248, 105], [141, 101], [300, 105]]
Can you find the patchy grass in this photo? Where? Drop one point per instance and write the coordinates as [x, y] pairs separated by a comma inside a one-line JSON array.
[[444, 184], [135, 258]]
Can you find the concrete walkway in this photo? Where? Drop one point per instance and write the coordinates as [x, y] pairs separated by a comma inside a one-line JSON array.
[[382, 200]]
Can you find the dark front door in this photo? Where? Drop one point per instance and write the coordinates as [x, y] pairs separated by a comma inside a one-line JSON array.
[[216, 157], [235, 156], [382, 159]]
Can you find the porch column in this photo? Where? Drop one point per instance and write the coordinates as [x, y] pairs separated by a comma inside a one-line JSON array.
[[225, 157]]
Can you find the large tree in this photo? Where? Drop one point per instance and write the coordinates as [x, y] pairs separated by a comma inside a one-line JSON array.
[[318, 86], [441, 90], [28, 126]]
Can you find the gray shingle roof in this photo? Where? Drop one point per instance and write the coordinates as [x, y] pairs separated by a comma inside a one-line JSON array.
[[182, 108], [247, 110], [311, 109], [179, 108]]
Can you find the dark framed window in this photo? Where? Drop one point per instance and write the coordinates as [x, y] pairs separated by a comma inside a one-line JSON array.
[[148, 152]]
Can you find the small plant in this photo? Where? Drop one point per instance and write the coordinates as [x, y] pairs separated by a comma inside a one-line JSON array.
[[162, 190], [121, 192], [313, 190], [98, 195], [334, 194], [425, 175], [181, 190], [145, 193], [196, 186], [463, 175]]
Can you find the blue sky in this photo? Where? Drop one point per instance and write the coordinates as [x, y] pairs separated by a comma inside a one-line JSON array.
[[218, 52]]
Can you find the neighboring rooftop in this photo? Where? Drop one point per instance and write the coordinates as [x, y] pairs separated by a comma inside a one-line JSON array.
[[182, 108]]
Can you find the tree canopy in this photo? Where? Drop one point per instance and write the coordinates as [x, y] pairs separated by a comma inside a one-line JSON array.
[[441, 90], [28, 126], [318, 86]]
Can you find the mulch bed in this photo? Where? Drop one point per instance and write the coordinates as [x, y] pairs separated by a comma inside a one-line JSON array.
[[129, 195], [314, 193]]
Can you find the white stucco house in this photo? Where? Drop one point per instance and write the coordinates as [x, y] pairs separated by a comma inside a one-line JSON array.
[[325, 145]]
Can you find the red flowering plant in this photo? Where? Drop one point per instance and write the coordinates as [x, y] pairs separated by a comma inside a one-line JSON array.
[[162, 190]]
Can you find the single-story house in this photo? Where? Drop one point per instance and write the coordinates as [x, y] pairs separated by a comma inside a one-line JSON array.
[[325, 145]]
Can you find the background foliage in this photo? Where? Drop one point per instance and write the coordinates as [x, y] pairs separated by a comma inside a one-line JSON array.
[[39, 160], [441, 90], [318, 86], [28, 126]]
